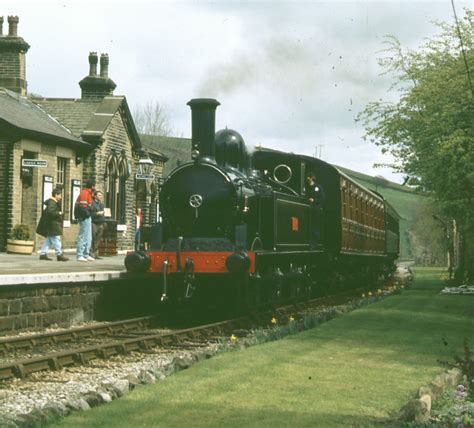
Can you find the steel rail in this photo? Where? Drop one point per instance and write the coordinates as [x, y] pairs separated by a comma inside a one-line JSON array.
[[99, 330]]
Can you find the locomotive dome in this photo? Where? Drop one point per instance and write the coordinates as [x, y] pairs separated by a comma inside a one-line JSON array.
[[230, 149]]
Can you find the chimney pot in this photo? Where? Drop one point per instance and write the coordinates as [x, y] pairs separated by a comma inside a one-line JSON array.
[[93, 63], [13, 26], [104, 65], [96, 87], [1, 25]]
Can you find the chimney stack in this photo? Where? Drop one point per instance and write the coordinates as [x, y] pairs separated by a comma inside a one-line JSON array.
[[13, 57], [203, 126], [94, 86], [13, 26], [104, 65], [93, 64]]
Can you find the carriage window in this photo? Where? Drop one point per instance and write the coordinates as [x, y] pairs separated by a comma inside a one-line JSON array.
[[344, 203]]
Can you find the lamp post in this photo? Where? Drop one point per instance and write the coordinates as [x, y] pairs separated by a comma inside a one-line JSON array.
[[145, 175]]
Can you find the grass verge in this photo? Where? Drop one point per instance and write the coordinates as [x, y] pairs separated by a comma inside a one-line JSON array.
[[352, 371]]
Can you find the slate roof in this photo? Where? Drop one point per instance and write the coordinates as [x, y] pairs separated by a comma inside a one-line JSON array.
[[176, 150], [27, 119], [90, 118], [75, 114]]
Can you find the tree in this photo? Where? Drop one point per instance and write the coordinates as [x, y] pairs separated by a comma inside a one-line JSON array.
[[428, 235], [430, 129], [152, 119]]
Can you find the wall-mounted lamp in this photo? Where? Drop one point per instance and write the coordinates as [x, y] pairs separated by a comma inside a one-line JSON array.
[[78, 160], [144, 164]]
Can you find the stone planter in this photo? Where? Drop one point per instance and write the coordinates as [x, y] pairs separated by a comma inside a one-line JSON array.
[[20, 247]]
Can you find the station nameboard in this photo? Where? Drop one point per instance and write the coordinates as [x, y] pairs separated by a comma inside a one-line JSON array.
[[145, 176], [35, 163]]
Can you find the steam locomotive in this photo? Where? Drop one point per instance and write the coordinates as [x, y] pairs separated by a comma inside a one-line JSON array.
[[242, 225]]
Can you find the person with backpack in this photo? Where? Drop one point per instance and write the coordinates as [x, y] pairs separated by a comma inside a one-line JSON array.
[[82, 213]]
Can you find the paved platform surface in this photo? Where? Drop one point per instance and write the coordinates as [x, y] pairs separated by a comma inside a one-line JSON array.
[[22, 269]]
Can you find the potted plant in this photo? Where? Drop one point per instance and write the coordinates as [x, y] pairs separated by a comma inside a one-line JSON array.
[[19, 240]]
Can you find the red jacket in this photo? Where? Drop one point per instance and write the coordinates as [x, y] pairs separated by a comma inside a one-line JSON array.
[[85, 198]]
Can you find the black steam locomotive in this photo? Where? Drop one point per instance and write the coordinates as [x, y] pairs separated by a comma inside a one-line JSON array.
[[248, 227]]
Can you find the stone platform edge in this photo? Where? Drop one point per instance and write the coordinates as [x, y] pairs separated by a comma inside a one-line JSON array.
[[60, 277]]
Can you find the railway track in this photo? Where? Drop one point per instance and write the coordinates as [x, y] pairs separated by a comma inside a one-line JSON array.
[[189, 337], [74, 334]]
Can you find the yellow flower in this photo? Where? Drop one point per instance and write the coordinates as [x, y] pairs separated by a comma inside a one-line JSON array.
[[233, 338], [363, 295], [379, 291], [291, 318], [370, 293], [274, 320]]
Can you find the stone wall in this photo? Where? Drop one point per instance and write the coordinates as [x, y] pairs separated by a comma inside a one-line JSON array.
[[24, 202], [35, 307], [12, 70], [4, 192], [117, 141]]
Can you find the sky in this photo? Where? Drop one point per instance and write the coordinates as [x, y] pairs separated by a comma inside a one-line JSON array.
[[290, 75]]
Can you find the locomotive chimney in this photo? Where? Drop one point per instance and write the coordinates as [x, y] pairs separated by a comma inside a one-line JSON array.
[[203, 118]]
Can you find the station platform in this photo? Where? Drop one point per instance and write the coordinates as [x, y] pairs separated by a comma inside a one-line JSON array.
[[29, 269]]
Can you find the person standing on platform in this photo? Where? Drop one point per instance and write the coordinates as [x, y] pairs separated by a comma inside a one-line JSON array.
[[138, 231], [51, 226], [82, 212], [98, 222]]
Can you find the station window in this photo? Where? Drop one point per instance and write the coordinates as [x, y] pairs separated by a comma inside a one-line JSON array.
[[111, 175], [116, 175], [123, 173], [61, 180]]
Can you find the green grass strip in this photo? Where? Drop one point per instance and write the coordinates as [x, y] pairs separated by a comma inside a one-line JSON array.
[[351, 371]]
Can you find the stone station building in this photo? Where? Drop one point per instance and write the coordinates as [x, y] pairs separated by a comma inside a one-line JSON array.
[[45, 142]]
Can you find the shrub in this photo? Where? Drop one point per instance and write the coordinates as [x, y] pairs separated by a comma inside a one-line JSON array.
[[20, 232]]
